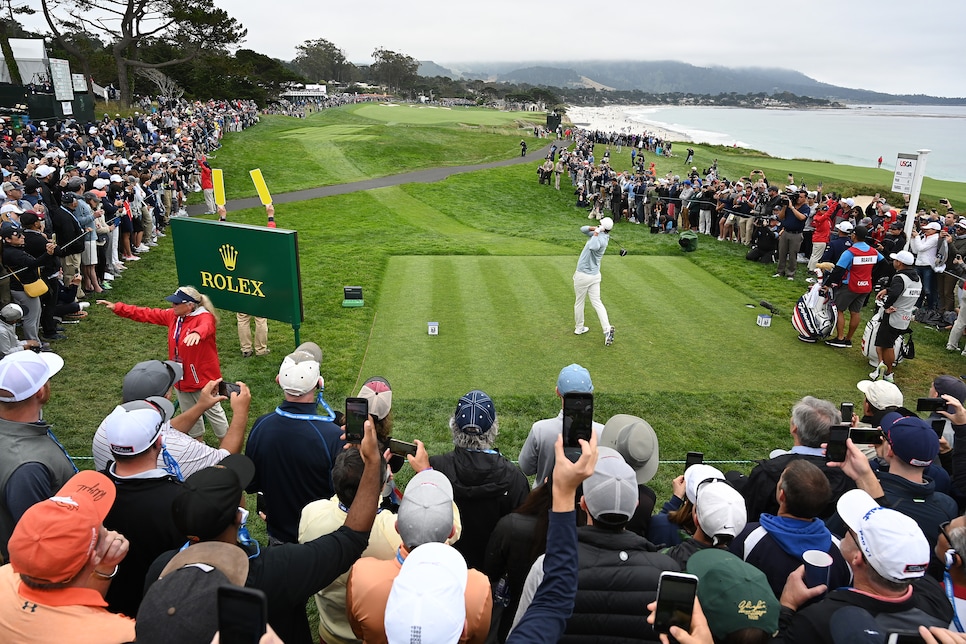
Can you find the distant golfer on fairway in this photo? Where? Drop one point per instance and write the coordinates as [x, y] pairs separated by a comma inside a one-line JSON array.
[[587, 278]]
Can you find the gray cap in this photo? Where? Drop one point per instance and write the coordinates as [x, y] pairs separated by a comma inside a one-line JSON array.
[[426, 512], [612, 488], [151, 378]]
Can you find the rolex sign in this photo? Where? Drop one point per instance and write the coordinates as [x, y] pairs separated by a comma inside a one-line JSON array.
[[247, 269]]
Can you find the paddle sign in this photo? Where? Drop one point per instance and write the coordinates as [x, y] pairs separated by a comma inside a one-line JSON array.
[[218, 180], [260, 186]]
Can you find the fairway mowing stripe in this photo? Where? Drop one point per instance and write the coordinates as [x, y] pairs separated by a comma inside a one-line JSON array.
[[678, 329], [365, 353]]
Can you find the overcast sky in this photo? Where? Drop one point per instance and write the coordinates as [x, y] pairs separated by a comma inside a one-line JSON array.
[[895, 46]]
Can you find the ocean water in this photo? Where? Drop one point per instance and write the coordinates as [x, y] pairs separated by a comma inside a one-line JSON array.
[[856, 136]]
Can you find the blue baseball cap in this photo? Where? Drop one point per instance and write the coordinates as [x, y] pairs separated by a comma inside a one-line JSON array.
[[9, 228], [912, 440], [574, 378], [475, 413]]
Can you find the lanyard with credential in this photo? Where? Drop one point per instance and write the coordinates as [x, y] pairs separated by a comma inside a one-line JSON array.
[[177, 337]]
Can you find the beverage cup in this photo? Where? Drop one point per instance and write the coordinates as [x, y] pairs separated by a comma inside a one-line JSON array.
[[817, 564]]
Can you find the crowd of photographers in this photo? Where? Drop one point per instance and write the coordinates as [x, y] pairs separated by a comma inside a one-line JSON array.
[[82, 201]]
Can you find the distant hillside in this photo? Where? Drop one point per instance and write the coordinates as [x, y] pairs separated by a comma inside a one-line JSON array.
[[660, 77]]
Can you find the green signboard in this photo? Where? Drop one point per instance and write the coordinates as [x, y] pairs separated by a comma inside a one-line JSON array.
[[247, 269]]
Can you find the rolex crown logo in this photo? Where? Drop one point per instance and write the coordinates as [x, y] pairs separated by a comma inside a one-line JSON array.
[[229, 256]]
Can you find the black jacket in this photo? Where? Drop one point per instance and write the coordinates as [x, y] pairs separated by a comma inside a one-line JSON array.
[[617, 576], [927, 605], [486, 486], [759, 488]]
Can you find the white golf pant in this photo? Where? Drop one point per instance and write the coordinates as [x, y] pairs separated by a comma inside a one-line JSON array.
[[584, 285]]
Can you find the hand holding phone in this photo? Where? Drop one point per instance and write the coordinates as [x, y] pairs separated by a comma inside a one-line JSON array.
[[578, 418], [401, 448], [226, 389], [356, 415], [847, 410], [675, 601], [836, 449]]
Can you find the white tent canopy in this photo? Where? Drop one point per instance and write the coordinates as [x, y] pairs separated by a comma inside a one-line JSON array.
[[31, 58]]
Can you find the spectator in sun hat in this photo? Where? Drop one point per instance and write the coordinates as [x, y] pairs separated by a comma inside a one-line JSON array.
[[33, 464], [636, 441], [888, 554], [157, 378], [426, 519], [182, 605], [62, 561], [617, 570], [294, 447], [537, 453], [212, 509], [735, 597], [486, 484], [145, 492]]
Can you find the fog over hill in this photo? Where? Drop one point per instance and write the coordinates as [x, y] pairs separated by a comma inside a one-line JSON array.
[[669, 76]]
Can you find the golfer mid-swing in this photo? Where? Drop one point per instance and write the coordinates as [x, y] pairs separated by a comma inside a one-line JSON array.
[[587, 278]]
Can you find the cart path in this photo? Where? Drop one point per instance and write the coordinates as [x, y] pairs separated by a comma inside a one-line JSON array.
[[431, 175]]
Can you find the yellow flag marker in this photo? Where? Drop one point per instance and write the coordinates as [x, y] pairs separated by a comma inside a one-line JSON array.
[[260, 186], [218, 179]]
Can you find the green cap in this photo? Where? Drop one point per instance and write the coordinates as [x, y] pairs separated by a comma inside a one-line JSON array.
[[734, 595]]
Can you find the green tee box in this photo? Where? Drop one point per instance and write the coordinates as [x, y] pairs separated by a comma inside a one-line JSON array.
[[247, 269]]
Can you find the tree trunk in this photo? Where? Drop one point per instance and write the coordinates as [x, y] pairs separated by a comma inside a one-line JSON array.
[[123, 84], [15, 78]]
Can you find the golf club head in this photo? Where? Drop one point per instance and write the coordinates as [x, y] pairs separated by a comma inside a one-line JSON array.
[[623, 251]]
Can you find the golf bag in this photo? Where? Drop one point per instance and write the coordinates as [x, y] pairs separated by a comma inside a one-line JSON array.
[[814, 314], [688, 241], [904, 346]]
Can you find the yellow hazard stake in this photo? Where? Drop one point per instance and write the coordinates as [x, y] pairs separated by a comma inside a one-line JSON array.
[[218, 179], [260, 186]]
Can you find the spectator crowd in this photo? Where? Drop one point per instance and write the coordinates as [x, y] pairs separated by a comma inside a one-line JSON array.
[[810, 546]]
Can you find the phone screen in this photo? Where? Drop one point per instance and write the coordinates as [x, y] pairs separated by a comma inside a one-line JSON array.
[[242, 615], [578, 418], [226, 389], [836, 451], [866, 435], [401, 447], [847, 409], [675, 601], [356, 414], [930, 404], [693, 458]]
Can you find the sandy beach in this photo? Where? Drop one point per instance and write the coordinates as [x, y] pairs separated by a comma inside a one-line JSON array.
[[614, 119]]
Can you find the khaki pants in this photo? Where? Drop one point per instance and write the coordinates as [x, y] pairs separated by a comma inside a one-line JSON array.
[[72, 264], [215, 415], [245, 333]]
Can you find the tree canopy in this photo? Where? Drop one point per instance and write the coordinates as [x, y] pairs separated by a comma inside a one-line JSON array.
[[189, 26]]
